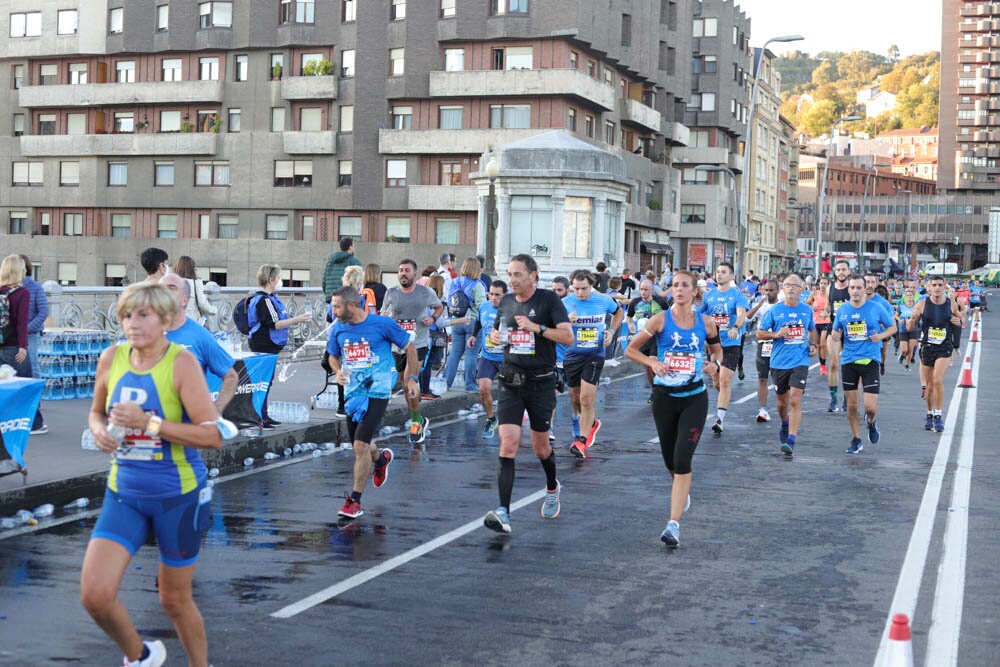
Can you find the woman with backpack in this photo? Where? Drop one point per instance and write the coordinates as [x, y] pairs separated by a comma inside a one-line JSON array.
[[269, 322], [198, 308], [466, 295], [373, 282]]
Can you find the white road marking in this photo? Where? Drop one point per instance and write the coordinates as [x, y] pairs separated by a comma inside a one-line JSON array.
[[391, 564]]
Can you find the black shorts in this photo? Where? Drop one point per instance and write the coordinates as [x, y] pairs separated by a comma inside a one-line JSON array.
[[537, 395], [788, 378], [365, 431], [821, 327], [731, 356], [586, 369], [649, 347], [931, 353], [486, 369], [867, 374], [763, 366], [400, 360], [909, 335]]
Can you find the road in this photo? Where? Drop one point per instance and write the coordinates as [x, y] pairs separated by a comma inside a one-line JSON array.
[[782, 562]]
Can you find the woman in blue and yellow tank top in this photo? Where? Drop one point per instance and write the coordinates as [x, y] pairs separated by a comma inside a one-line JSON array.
[[152, 394], [680, 402]]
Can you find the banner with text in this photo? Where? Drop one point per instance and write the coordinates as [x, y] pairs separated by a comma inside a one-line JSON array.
[[18, 402], [256, 372]]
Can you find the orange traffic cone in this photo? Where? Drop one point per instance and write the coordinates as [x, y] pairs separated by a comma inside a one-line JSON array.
[[900, 648], [975, 332], [966, 382]]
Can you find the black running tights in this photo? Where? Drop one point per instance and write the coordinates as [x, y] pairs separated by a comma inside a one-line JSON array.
[[678, 424]]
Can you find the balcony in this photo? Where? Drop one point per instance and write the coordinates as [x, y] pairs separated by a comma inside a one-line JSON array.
[[309, 143], [636, 113], [523, 83], [461, 142], [443, 197], [111, 94], [88, 145], [701, 155], [677, 134], [309, 88]]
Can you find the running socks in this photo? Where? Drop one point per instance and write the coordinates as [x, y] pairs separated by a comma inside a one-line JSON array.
[[356, 496], [721, 414], [505, 479], [549, 466], [791, 440], [415, 417]]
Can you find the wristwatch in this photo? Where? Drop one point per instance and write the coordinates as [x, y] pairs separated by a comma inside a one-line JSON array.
[[153, 426], [542, 329]]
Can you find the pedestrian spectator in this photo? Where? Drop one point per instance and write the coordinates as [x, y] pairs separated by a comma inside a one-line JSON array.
[[157, 482], [155, 262], [825, 267], [38, 311], [426, 274], [373, 282], [483, 276], [269, 323], [628, 285], [333, 273], [198, 308], [446, 272], [438, 340], [14, 335], [602, 276], [475, 293]]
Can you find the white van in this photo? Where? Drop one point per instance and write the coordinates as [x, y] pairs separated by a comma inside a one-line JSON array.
[[941, 269]]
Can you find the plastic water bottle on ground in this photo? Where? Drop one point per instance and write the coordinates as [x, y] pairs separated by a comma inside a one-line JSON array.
[[463, 412], [213, 473], [605, 380], [8, 523], [270, 456], [43, 511], [346, 445], [297, 449], [317, 453], [77, 504], [286, 452], [248, 461], [25, 517], [384, 431]]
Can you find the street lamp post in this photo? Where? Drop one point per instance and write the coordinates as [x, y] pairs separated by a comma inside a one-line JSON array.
[[822, 189], [906, 221], [492, 171], [864, 201], [741, 230]]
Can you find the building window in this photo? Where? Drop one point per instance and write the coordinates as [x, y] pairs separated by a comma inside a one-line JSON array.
[[308, 59], [347, 118], [211, 174], [349, 11], [397, 230], [510, 116], [578, 226], [69, 173], [693, 213], [170, 121], [293, 173], [626, 30], [208, 69], [124, 122], [277, 64], [162, 17], [692, 176], [402, 118], [707, 27], [229, 226], [347, 63], [450, 118], [397, 10], [18, 124], [588, 126], [121, 225], [344, 168], [530, 225], [18, 222], [125, 71], [308, 224], [72, 224], [310, 119], [26, 24], [48, 75], [573, 57], [395, 173], [446, 231], [591, 69], [454, 60], [349, 226], [215, 15], [242, 67], [609, 132], [571, 120], [708, 101], [513, 57], [66, 273], [397, 62], [501, 7], [163, 174], [17, 75], [166, 225], [710, 64], [170, 69], [278, 119], [299, 11], [116, 20], [47, 124], [66, 22], [235, 120], [77, 73], [117, 174], [447, 9], [276, 227], [451, 174]]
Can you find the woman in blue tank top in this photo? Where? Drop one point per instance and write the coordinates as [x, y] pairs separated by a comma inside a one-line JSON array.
[[680, 402], [908, 340]]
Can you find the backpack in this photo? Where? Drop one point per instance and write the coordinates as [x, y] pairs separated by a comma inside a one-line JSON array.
[[460, 297], [5, 322], [368, 301], [253, 324], [240, 317]]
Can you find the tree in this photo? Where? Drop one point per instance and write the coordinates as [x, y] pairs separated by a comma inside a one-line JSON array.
[[820, 117], [824, 73], [884, 122], [893, 53]]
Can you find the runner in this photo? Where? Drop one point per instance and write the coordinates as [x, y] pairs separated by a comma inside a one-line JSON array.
[[584, 359], [415, 308], [871, 291], [862, 326], [789, 327], [976, 299], [934, 317], [820, 302], [680, 401], [728, 308], [907, 337], [360, 349], [764, 346], [531, 321], [641, 309], [837, 297], [490, 355]]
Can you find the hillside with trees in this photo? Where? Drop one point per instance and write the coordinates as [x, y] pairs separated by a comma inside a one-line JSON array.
[[819, 89]]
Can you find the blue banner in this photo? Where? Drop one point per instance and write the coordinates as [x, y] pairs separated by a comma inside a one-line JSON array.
[[18, 402], [256, 371]]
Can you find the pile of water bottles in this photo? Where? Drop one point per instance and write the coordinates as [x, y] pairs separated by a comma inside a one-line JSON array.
[[287, 412], [31, 517], [67, 361]]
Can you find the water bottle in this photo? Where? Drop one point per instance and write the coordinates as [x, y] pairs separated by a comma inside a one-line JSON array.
[[270, 456], [25, 517], [309, 308], [346, 445], [248, 461], [118, 432], [463, 412], [287, 452], [504, 333], [77, 504], [385, 431], [43, 511], [70, 343], [213, 473], [605, 380], [297, 449], [8, 523], [87, 441]]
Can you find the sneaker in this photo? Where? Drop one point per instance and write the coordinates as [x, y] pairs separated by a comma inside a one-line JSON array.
[[929, 424], [576, 426], [822, 369], [552, 436], [490, 429], [873, 432], [157, 656], [855, 447], [907, 368], [763, 415], [379, 475], [266, 426], [938, 424], [429, 397], [671, 534], [901, 358], [351, 509], [740, 373], [833, 406], [593, 432], [579, 448], [550, 506], [41, 430], [418, 431], [787, 448], [271, 422], [783, 433], [341, 413], [717, 427], [498, 520]]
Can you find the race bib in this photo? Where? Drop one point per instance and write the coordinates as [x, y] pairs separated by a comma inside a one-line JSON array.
[[857, 331], [357, 356], [490, 348], [680, 367], [140, 447], [521, 342], [796, 334], [765, 348], [837, 305], [587, 337], [936, 336], [721, 321]]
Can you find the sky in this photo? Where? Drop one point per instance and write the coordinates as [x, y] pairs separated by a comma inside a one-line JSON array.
[[846, 25]]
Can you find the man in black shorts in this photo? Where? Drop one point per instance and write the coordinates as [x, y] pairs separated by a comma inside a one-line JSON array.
[[490, 355], [934, 317], [530, 323], [837, 297], [641, 308]]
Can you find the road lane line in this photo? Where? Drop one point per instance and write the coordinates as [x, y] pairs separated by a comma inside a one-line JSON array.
[[393, 563], [949, 596], [904, 600]]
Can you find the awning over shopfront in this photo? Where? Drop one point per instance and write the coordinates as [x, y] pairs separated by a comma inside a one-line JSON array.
[[651, 248]]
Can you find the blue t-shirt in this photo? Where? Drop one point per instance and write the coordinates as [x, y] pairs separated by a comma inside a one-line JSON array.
[[792, 350], [857, 326], [905, 313], [721, 307], [880, 300], [588, 329], [749, 288], [683, 351], [976, 295], [365, 349], [196, 339], [487, 315]]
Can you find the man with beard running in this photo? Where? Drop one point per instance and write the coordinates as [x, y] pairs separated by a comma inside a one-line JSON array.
[[934, 317], [837, 297], [764, 346], [727, 306]]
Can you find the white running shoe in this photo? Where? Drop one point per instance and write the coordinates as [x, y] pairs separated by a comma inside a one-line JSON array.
[[763, 415], [157, 656]]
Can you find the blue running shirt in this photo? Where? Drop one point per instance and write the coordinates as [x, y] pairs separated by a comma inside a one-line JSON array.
[[792, 350], [589, 327], [721, 307], [857, 326], [683, 351], [365, 349], [196, 339], [488, 315]]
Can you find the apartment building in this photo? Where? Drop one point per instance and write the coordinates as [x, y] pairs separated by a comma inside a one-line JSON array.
[[239, 132]]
